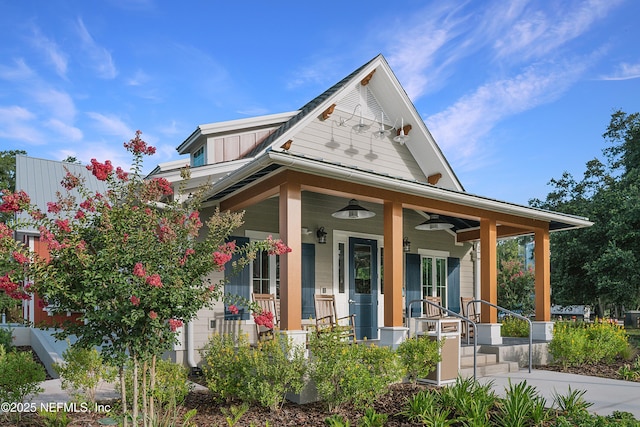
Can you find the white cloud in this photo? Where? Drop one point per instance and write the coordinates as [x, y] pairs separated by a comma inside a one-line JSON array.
[[19, 72], [624, 71], [59, 104], [460, 129], [112, 125], [100, 57], [16, 125], [52, 52], [138, 79], [68, 132]]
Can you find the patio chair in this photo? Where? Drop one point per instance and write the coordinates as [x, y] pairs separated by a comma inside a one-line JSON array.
[[431, 311], [267, 302], [328, 320], [468, 328]]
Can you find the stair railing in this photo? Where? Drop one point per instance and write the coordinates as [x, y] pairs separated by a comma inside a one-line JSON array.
[[519, 316], [454, 314]]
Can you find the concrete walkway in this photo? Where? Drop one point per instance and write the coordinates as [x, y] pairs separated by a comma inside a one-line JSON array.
[[607, 395]]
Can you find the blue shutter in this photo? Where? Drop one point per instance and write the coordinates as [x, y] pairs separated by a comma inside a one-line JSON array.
[[412, 284], [239, 283], [453, 284], [308, 279]]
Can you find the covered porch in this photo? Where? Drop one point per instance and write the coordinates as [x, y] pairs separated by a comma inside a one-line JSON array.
[[307, 191]]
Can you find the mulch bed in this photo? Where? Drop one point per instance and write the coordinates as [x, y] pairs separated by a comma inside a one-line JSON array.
[[210, 413]]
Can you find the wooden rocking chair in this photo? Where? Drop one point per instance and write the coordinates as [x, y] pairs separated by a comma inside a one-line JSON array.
[[327, 319], [266, 302], [468, 328]]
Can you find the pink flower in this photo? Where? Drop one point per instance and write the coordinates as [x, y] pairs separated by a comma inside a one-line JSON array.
[[20, 258], [88, 205], [233, 309], [121, 174], [63, 225], [5, 231], [53, 207], [70, 181], [264, 319], [174, 324], [14, 202], [277, 247], [102, 171], [36, 214], [220, 259], [138, 270], [79, 215], [138, 146], [135, 300], [154, 280], [153, 315]]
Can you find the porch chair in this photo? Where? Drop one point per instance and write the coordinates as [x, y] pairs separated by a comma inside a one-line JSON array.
[[468, 328], [327, 318], [267, 302], [431, 311]]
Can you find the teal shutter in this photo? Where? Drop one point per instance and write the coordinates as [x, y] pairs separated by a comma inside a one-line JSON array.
[[308, 279], [453, 284], [412, 284], [238, 284]]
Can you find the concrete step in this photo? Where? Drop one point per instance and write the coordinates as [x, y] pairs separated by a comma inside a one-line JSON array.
[[482, 359], [491, 369]]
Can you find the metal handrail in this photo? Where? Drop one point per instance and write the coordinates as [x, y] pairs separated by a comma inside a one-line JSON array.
[[512, 314], [452, 313]]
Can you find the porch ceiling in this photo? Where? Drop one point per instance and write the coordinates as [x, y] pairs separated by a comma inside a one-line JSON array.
[[260, 179]]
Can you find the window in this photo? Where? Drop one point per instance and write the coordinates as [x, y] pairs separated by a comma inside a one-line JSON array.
[[341, 268], [434, 278], [198, 157], [266, 274]]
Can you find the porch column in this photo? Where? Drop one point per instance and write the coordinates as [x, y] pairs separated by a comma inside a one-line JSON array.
[[393, 263], [290, 214], [542, 275], [488, 269]]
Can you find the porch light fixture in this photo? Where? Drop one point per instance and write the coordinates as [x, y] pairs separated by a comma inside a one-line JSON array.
[[402, 137], [321, 235], [434, 223], [406, 245], [353, 211], [381, 132]]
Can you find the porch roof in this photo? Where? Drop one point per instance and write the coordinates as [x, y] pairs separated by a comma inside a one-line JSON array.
[[271, 162]]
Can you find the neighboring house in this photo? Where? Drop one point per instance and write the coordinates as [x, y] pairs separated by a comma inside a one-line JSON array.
[[362, 139], [41, 180]]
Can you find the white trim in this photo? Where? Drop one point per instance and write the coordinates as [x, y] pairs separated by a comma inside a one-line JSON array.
[[433, 253]]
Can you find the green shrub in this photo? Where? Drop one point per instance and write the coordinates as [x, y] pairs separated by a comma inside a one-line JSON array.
[[20, 376], [172, 384], [468, 400], [82, 371], [6, 338], [514, 327], [419, 356], [575, 343], [263, 374], [346, 373]]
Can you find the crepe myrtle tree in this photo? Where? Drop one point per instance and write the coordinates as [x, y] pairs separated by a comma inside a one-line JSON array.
[[132, 262]]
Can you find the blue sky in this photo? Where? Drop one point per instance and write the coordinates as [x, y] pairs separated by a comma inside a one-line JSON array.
[[514, 92]]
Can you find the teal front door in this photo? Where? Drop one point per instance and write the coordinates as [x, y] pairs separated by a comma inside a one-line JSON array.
[[363, 286]]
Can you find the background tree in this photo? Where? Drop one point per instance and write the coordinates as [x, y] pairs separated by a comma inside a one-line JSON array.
[[515, 280], [8, 175], [600, 265]]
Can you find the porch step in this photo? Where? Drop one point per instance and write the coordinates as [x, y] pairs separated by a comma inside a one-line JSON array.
[[486, 363]]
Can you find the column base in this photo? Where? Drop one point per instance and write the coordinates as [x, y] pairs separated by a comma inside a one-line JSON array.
[[542, 331], [392, 336], [489, 333]]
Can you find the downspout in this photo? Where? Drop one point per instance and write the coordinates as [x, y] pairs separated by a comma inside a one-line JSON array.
[[191, 360]]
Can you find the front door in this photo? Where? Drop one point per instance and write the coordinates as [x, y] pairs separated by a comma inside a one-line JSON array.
[[363, 286]]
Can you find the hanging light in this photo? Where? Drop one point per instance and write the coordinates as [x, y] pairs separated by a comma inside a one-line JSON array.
[[353, 211], [382, 132], [434, 223], [321, 235], [406, 245], [402, 138]]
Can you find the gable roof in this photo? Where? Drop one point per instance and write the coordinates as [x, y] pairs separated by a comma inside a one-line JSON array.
[[41, 179]]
